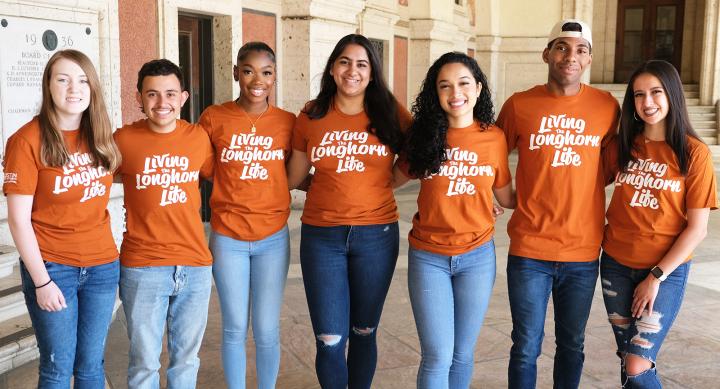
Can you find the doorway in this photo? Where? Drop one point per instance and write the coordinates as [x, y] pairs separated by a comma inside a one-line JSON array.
[[195, 46], [647, 29]]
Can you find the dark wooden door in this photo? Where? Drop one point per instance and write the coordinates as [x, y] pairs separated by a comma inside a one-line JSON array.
[[647, 29], [195, 54]]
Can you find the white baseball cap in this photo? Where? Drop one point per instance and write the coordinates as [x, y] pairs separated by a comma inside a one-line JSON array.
[[568, 29]]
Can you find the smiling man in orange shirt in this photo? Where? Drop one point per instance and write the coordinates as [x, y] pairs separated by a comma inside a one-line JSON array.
[[559, 129], [166, 271]]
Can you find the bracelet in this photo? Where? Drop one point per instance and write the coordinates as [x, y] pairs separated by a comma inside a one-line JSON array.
[[44, 285]]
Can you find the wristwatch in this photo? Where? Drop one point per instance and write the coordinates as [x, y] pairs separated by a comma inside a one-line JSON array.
[[658, 273]]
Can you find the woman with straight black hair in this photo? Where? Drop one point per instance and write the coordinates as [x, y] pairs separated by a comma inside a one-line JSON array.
[[349, 240], [664, 190], [461, 159]]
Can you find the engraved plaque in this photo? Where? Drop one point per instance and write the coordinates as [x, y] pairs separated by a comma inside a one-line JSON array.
[[25, 46]]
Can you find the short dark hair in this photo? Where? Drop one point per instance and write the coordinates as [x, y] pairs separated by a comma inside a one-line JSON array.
[[159, 67], [255, 46]]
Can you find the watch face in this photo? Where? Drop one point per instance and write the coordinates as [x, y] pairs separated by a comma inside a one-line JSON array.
[[657, 272]]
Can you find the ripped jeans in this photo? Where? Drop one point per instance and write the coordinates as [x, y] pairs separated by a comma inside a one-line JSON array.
[[347, 272], [642, 337]]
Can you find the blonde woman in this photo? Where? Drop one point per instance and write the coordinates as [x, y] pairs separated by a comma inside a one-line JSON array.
[[58, 173]]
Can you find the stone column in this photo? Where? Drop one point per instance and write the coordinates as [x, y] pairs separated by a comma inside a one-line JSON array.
[[310, 31], [377, 21], [429, 39], [488, 41], [710, 62]]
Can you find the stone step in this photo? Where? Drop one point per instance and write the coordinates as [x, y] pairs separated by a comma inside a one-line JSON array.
[[8, 259], [12, 301], [710, 140], [700, 124], [706, 132], [17, 338], [17, 343], [715, 150]]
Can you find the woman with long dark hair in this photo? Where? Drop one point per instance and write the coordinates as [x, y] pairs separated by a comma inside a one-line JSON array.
[[349, 239], [461, 159], [250, 206], [664, 190], [58, 173]]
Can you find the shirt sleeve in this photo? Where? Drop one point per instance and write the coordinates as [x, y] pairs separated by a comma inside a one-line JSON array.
[[700, 183], [299, 142], [506, 122], [502, 173], [613, 129], [208, 167], [206, 122], [20, 167], [609, 159]]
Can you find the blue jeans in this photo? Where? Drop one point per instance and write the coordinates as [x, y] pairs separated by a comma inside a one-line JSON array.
[[530, 282], [251, 275], [642, 337], [152, 296], [72, 341], [449, 296], [347, 272]]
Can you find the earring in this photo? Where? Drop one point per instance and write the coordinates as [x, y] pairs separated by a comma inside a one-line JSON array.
[[636, 117]]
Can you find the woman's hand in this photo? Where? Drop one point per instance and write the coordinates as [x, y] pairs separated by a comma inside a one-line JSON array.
[[50, 298], [644, 295], [497, 210]]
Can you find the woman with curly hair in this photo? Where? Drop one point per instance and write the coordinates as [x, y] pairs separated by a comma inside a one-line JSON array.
[[665, 188], [461, 159], [349, 239]]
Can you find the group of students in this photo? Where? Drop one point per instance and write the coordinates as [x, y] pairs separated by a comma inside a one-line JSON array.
[[362, 144]]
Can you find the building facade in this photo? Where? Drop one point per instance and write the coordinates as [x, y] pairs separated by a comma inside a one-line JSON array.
[[505, 36]]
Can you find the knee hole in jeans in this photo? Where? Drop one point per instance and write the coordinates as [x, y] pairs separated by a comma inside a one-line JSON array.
[[367, 331], [329, 340], [636, 365]]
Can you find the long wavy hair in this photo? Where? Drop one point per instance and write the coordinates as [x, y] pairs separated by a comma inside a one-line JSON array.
[[427, 137], [379, 103], [95, 127], [677, 121]]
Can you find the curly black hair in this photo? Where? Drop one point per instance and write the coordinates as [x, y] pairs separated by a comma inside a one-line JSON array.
[[380, 104], [427, 137], [159, 67]]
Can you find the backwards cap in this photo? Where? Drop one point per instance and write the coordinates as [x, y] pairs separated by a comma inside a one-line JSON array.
[[568, 28]]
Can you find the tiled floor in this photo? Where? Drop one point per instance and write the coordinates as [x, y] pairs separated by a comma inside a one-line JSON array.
[[690, 357]]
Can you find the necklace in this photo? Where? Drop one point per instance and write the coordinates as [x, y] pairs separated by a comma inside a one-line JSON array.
[[252, 129]]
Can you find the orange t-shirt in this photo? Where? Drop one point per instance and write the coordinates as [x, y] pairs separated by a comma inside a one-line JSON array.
[[559, 180], [69, 211], [161, 176], [455, 205], [250, 198], [352, 183], [649, 206]]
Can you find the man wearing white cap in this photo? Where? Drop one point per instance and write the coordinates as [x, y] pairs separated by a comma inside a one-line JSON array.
[[559, 129]]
